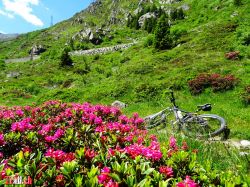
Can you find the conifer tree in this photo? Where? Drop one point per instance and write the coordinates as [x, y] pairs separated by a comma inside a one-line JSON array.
[[162, 38], [65, 58]]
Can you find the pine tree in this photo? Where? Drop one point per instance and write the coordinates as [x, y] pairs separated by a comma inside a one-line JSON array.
[[65, 58], [162, 38]]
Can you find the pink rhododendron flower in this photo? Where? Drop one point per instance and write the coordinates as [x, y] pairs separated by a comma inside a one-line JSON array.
[[22, 125], [50, 139], [187, 183], [172, 142], [59, 156], [184, 146], [59, 133], [111, 183], [104, 178], [167, 171], [45, 129], [135, 150], [89, 154], [1, 155], [2, 142], [20, 113]]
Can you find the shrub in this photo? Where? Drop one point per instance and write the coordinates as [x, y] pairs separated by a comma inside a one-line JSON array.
[[72, 144], [246, 95], [233, 55], [65, 59], [146, 91], [237, 2], [149, 41], [124, 59], [215, 81], [162, 38]]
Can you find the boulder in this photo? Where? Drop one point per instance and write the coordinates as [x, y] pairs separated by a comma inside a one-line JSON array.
[[245, 144], [119, 104], [13, 74], [94, 36], [148, 15], [37, 50], [168, 1], [185, 7]]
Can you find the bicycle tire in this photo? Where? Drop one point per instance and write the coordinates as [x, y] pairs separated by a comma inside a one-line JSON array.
[[152, 123], [204, 126]]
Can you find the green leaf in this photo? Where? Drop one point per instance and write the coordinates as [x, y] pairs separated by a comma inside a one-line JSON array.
[[115, 177], [93, 172], [143, 183], [78, 179], [2, 182], [130, 181], [148, 171]]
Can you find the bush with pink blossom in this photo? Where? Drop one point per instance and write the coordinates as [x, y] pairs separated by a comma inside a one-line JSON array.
[[71, 144]]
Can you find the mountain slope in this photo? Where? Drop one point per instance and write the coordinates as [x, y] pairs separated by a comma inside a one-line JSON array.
[[141, 74]]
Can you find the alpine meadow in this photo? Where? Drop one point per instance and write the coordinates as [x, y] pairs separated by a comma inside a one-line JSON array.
[[57, 125]]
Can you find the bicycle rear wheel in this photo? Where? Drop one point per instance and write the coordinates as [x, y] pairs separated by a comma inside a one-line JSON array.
[[204, 126]]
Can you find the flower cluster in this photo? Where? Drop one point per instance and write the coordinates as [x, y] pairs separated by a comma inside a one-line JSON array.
[[67, 144], [216, 81], [105, 179], [167, 171], [152, 152], [59, 156], [187, 183]]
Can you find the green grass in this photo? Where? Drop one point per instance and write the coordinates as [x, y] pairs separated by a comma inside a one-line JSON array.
[[212, 154], [140, 76]]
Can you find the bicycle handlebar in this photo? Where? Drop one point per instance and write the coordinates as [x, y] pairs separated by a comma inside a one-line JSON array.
[[172, 98]]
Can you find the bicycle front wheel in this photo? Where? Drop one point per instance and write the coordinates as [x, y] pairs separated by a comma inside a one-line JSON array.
[[158, 122], [204, 126]]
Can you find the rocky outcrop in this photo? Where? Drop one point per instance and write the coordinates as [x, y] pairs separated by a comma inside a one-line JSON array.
[[37, 50], [144, 17], [13, 74], [168, 1], [93, 8], [119, 104], [185, 7], [90, 35], [102, 50]]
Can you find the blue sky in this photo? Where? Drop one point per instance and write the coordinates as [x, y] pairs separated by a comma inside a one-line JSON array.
[[20, 16]]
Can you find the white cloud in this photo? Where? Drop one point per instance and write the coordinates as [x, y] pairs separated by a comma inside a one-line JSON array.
[[23, 9], [6, 14]]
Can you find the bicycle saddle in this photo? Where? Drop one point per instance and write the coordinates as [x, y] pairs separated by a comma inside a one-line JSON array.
[[205, 107]]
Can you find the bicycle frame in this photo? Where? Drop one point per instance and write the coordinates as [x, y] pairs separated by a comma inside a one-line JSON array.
[[163, 114]]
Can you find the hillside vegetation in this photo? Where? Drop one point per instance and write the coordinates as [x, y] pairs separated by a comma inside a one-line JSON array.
[[140, 75]]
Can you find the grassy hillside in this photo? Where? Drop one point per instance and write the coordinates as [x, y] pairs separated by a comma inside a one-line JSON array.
[[141, 74]]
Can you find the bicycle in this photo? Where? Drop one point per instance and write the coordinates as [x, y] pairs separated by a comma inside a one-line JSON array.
[[192, 124]]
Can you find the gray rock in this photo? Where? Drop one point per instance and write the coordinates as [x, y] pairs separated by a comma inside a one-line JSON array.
[[234, 14], [102, 50], [245, 143], [119, 104], [93, 35], [144, 17], [37, 50], [185, 7], [168, 1], [13, 74]]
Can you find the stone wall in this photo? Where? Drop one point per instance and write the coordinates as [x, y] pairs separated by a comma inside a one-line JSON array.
[[102, 50]]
